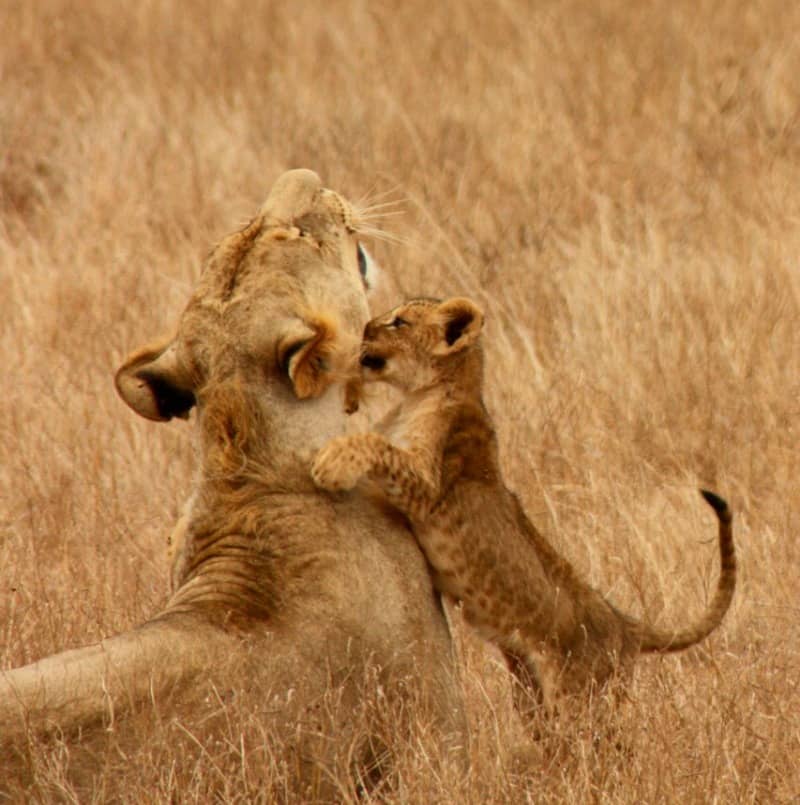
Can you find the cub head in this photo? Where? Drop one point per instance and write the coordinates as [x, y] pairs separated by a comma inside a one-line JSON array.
[[415, 345]]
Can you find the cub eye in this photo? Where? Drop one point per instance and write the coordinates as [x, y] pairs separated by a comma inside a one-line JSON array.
[[398, 321]]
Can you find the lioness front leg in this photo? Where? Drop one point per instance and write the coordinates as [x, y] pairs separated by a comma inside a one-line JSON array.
[[403, 476]]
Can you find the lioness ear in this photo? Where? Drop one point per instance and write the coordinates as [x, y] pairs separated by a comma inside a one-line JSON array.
[[150, 382], [461, 321], [309, 355]]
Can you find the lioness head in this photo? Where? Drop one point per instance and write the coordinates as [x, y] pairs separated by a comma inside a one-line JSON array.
[[415, 344], [278, 310]]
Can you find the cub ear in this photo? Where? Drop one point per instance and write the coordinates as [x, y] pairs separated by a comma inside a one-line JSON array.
[[461, 321], [151, 382], [310, 355]]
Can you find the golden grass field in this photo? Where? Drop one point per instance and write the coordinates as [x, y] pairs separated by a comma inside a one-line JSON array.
[[617, 184]]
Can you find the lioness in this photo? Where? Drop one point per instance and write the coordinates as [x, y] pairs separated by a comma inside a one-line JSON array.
[[436, 459], [279, 590]]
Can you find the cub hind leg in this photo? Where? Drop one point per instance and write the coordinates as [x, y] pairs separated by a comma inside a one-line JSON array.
[[527, 687]]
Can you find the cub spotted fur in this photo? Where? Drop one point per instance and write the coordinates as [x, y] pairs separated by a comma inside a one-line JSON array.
[[436, 460]]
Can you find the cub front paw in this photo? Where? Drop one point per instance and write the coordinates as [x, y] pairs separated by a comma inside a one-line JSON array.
[[340, 465]]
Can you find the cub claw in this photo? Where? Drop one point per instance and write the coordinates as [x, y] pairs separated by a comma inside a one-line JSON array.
[[338, 466]]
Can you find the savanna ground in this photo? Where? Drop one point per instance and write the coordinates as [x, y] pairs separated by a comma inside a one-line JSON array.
[[618, 185]]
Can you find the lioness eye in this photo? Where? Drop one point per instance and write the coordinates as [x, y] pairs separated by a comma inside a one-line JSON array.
[[362, 262], [397, 321]]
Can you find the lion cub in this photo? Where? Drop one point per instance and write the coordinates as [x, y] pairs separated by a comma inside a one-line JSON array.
[[436, 460]]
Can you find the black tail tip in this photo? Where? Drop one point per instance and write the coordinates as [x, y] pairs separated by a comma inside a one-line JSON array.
[[719, 505]]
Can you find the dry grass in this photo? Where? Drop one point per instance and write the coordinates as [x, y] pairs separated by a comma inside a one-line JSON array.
[[618, 185]]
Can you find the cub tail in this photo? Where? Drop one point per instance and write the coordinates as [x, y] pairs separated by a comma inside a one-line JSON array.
[[654, 640]]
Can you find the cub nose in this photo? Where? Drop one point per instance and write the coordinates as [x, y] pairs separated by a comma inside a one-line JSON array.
[[374, 362]]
